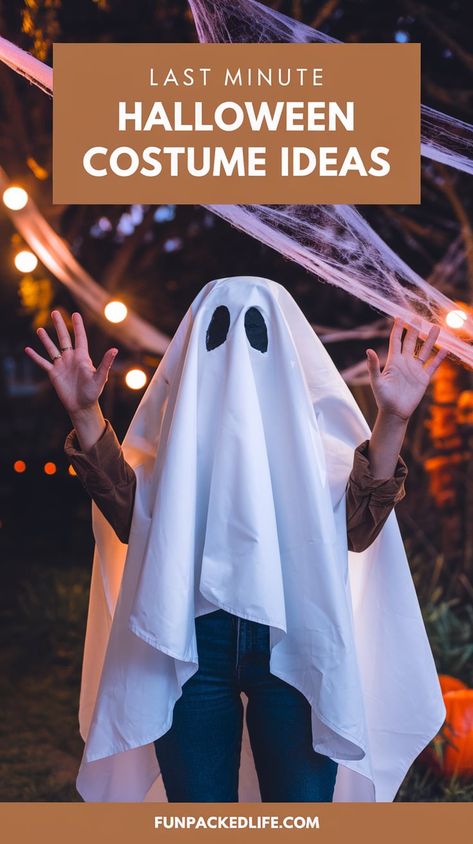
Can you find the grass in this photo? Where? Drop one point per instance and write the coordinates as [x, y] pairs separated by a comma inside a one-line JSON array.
[[449, 625], [421, 785], [39, 685]]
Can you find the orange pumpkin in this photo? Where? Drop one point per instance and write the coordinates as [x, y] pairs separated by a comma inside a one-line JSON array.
[[451, 751], [458, 730], [450, 684]]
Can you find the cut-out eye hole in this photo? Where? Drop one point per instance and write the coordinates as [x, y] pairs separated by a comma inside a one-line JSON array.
[[218, 327], [256, 330]]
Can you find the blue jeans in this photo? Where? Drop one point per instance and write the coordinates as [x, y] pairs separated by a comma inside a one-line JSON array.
[[199, 756]]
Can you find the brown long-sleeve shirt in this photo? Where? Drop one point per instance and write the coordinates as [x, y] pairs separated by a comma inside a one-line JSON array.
[[111, 482]]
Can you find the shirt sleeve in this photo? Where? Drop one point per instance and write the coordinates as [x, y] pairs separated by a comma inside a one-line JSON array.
[[107, 477], [370, 500]]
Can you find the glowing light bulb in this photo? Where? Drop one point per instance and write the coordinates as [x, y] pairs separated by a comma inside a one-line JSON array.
[[50, 468], [71, 470], [455, 319], [19, 466], [15, 198], [115, 311], [135, 379], [26, 261]]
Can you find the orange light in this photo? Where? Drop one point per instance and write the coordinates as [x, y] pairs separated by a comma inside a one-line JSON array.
[[15, 198], [136, 379], [26, 261], [71, 470], [50, 468], [115, 311], [19, 466], [456, 318]]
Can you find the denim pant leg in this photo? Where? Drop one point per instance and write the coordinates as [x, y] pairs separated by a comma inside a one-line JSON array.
[[279, 726], [199, 756]]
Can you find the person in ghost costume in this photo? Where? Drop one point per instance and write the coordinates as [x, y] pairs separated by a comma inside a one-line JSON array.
[[248, 557]]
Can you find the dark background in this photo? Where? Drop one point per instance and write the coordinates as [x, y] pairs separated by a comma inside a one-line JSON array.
[[158, 258]]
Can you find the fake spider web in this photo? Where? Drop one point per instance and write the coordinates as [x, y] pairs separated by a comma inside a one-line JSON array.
[[443, 138], [335, 242]]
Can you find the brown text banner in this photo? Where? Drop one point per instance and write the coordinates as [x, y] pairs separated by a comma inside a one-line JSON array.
[[390, 823], [236, 123]]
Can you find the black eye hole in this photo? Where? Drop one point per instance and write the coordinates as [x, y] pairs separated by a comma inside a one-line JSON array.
[[218, 327], [256, 330]]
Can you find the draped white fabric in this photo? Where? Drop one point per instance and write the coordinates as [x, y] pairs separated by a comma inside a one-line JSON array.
[[242, 459]]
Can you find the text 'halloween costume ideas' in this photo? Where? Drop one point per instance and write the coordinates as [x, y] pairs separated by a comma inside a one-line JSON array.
[[242, 447]]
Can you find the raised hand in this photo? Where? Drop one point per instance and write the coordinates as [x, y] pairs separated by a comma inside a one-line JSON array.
[[74, 377], [399, 388]]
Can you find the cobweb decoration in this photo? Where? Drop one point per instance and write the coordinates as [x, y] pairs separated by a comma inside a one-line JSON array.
[[335, 241], [337, 244], [26, 65], [443, 138]]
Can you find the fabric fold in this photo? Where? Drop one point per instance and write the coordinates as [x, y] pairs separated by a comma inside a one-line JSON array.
[[242, 459]]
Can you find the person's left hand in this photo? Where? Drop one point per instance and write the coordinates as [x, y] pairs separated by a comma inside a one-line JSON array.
[[399, 388]]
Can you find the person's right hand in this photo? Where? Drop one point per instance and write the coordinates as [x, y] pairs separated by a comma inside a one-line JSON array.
[[74, 377]]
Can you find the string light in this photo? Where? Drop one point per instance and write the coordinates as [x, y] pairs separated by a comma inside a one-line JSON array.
[[26, 261], [49, 468], [15, 198], [115, 311], [135, 379], [456, 318]]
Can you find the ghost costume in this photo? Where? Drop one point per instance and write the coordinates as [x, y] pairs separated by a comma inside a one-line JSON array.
[[242, 451]]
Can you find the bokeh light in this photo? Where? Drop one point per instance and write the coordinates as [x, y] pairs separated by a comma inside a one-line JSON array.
[[115, 311], [15, 198], [401, 36], [135, 379], [26, 261], [50, 468], [71, 470], [456, 318], [19, 466]]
